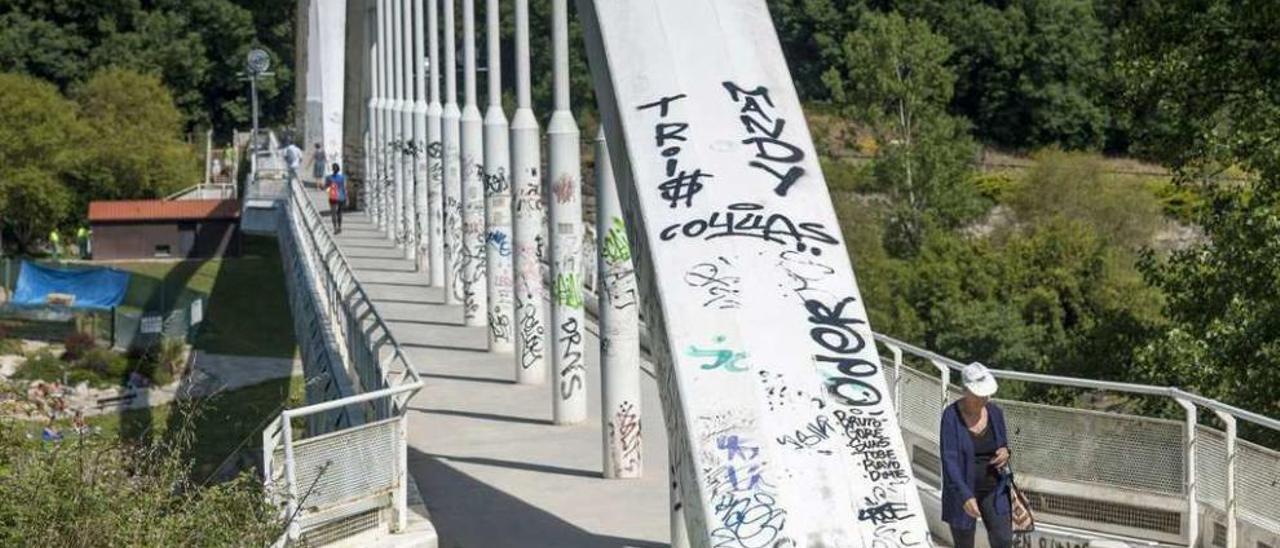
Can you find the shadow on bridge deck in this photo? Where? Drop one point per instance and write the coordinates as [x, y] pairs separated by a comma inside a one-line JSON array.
[[492, 468]]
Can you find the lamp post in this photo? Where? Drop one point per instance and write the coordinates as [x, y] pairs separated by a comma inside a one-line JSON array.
[[256, 64]]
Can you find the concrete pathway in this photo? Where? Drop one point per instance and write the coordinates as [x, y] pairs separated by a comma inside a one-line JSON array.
[[493, 470]]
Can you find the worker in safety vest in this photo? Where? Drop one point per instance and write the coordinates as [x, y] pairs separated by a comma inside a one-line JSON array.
[[82, 238]]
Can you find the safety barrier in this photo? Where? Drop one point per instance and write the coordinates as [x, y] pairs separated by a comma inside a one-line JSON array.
[[339, 468], [1118, 473]]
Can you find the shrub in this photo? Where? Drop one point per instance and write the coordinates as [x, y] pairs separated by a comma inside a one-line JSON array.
[[77, 344], [996, 185], [41, 365], [10, 347], [160, 363], [104, 363]]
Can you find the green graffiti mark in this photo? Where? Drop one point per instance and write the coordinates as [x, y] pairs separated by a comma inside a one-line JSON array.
[[567, 290], [616, 248], [723, 357]]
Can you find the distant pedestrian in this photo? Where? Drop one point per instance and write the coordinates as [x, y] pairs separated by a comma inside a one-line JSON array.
[[55, 241], [336, 185], [292, 160], [975, 455], [318, 161]]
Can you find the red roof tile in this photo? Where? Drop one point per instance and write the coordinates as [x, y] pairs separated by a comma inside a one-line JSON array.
[[162, 210]]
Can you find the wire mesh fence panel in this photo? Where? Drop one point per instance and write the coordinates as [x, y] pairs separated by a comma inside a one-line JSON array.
[[1211, 466], [1258, 485], [347, 465], [921, 403], [1095, 447]]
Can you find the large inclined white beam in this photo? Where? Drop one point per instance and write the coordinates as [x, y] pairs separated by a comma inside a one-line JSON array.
[[779, 418]]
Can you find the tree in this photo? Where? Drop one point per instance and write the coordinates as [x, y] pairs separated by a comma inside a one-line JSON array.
[[893, 77], [39, 133], [196, 46], [135, 151], [1214, 69], [1030, 72]]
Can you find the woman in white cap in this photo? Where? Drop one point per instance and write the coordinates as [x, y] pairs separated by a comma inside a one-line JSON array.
[[975, 450]]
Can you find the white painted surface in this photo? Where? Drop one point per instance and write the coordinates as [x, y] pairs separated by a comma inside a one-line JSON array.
[[408, 204], [569, 386], [455, 288], [619, 329], [526, 182], [497, 188], [476, 302], [421, 206], [435, 153], [782, 345]]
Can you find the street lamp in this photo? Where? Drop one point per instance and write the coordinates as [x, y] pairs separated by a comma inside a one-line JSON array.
[[256, 64]]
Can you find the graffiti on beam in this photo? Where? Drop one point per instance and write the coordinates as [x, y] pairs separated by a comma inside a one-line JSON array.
[[681, 185], [750, 220], [774, 154]]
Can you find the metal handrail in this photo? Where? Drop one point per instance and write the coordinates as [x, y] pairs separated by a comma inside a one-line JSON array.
[[1133, 388], [298, 196]]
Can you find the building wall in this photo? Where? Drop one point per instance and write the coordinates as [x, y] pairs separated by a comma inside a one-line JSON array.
[[186, 240]]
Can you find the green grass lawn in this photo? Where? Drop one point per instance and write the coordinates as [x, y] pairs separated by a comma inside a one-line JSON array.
[[221, 425], [246, 310]]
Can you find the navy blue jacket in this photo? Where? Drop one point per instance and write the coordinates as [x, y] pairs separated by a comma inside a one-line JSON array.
[[959, 478]]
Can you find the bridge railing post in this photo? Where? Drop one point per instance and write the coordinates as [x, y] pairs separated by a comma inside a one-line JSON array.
[[1229, 503], [434, 154], [451, 136], [1191, 521]]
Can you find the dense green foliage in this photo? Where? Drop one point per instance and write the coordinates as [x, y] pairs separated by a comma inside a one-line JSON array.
[[90, 490], [1067, 267], [196, 46], [117, 137]]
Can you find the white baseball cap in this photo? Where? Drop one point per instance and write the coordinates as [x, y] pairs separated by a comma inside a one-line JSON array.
[[979, 380]]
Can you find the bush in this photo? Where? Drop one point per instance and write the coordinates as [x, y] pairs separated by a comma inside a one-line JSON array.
[[104, 363], [10, 347], [42, 365], [95, 491], [845, 176], [159, 363], [996, 186], [77, 344]]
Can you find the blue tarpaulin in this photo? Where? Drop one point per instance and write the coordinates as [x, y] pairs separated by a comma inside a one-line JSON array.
[[92, 287]]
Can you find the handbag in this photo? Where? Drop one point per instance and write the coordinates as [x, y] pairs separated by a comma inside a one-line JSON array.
[[1024, 521]]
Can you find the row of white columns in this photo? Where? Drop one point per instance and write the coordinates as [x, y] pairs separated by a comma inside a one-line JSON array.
[[463, 196]]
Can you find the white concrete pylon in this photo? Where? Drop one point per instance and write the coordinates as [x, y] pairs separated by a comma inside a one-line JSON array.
[[378, 183], [451, 136], [422, 225], [476, 304], [374, 140], [497, 163], [530, 216], [396, 222], [569, 387], [435, 154], [408, 205], [619, 328]]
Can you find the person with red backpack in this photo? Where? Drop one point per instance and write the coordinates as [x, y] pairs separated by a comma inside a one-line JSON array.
[[336, 185]]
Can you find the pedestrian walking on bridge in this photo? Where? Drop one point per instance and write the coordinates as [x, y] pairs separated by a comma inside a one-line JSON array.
[[336, 185], [975, 455]]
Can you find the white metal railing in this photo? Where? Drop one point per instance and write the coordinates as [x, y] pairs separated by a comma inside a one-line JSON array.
[[1138, 476], [349, 460]]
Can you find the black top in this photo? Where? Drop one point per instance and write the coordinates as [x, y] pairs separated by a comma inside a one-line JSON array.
[[984, 448]]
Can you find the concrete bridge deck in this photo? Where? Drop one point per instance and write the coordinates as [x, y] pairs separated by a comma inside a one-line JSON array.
[[491, 467]]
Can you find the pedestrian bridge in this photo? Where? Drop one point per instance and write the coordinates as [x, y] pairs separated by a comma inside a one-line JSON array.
[[694, 368]]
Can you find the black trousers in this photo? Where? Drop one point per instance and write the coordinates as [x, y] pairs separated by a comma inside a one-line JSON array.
[[335, 211], [999, 528]]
